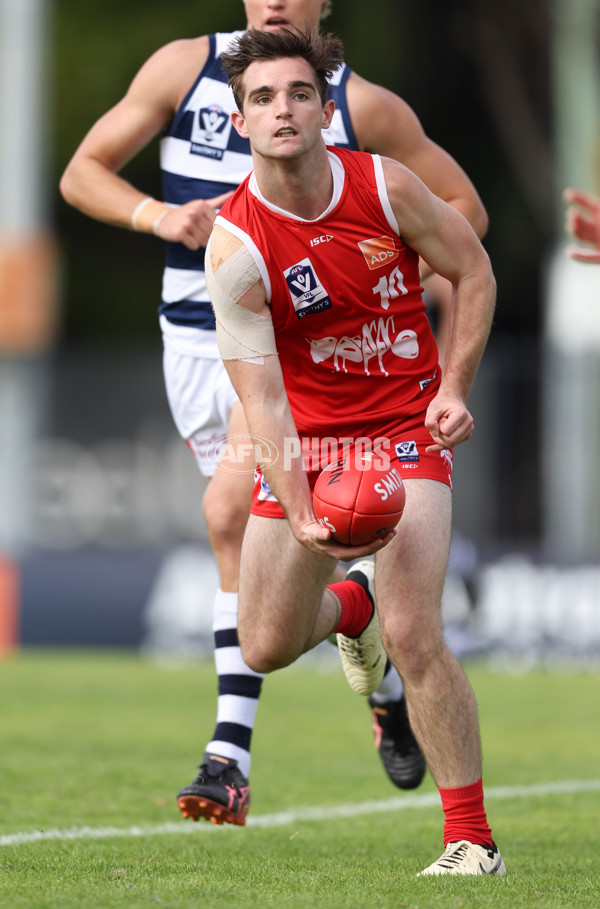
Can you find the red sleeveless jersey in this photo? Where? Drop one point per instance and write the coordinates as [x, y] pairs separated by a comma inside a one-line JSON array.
[[355, 345]]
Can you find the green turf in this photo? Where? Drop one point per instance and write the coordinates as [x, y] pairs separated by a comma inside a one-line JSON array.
[[101, 740]]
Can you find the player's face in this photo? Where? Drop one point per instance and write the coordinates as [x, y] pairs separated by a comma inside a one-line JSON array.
[[283, 113], [272, 15]]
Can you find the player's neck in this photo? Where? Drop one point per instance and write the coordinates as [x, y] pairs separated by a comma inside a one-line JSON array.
[[303, 187]]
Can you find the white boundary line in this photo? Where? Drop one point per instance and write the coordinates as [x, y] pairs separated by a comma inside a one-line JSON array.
[[400, 803]]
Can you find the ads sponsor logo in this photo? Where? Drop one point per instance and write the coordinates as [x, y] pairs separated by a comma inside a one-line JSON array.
[[307, 293], [239, 454], [210, 133], [379, 251], [407, 451]]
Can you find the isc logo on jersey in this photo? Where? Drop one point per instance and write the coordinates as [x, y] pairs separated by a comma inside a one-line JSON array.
[[307, 293], [379, 251], [210, 133]]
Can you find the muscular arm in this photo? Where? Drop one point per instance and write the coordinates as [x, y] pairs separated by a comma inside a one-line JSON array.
[[91, 181], [261, 390], [259, 385], [449, 245], [385, 125]]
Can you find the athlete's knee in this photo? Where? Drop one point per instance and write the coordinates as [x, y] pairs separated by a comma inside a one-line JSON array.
[[264, 649], [412, 643], [263, 655], [262, 662]]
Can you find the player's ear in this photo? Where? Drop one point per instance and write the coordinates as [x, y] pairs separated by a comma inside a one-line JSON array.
[[328, 109], [239, 123]]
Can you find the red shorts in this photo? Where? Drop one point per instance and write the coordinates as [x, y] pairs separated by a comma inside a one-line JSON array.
[[400, 445]]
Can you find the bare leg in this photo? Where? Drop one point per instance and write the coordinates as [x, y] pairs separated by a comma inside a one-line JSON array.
[[409, 579], [227, 504], [284, 606], [226, 507]]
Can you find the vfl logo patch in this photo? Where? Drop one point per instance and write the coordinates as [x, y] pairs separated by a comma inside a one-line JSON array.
[[307, 293], [265, 493], [210, 133], [407, 451], [379, 251]]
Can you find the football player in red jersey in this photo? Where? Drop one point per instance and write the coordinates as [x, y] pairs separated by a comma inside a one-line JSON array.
[[582, 221], [172, 92], [300, 188]]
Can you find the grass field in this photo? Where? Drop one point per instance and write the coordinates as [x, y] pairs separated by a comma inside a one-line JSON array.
[[95, 746]]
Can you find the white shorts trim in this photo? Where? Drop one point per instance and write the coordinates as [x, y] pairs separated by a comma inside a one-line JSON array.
[[201, 397]]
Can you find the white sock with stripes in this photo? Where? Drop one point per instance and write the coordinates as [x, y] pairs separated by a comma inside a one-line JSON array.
[[239, 687]]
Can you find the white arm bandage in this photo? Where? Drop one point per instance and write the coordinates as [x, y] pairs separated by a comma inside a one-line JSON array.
[[241, 333]]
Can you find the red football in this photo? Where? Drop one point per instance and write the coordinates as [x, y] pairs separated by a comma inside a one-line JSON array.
[[357, 502]]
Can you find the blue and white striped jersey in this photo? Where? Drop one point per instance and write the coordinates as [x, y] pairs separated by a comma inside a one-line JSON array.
[[202, 156]]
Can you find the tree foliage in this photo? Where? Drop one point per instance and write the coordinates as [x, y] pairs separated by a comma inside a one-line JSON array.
[[476, 74]]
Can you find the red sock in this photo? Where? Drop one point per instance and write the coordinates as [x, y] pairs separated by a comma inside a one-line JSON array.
[[464, 815], [357, 608]]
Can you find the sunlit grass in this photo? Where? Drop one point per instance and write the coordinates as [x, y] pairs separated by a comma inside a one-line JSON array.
[[98, 740]]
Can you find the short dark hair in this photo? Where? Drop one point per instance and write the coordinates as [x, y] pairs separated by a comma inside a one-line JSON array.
[[323, 52]]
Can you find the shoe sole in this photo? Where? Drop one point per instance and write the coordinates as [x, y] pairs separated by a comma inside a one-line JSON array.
[[196, 808], [447, 864], [367, 679], [364, 680], [499, 871]]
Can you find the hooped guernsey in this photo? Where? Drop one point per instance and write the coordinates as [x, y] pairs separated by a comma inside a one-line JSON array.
[[356, 348], [201, 157]]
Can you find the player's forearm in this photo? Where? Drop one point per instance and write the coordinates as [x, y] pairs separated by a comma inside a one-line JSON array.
[[273, 431], [88, 186], [289, 484], [282, 464], [470, 322]]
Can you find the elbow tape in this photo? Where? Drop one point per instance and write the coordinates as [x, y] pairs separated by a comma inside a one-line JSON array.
[[241, 333]]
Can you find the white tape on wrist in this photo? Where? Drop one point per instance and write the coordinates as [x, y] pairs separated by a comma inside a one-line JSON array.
[[148, 214], [158, 221], [138, 209]]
